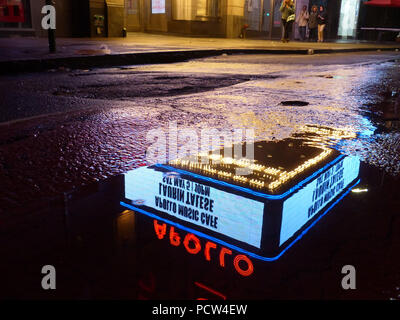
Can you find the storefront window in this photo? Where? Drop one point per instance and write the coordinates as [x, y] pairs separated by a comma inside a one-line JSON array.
[[277, 14], [15, 14], [157, 6], [252, 14], [195, 9], [348, 18]]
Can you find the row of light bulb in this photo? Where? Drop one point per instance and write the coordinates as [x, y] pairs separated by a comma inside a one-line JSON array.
[[283, 176], [332, 133]]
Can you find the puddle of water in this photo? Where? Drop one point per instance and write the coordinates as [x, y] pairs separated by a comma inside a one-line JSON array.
[[240, 202], [104, 250], [246, 228]]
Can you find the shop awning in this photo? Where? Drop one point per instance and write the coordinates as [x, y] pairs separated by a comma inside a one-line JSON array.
[[383, 3]]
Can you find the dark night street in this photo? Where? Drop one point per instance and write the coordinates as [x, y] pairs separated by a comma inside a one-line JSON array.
[[194, 159], [67, 135]]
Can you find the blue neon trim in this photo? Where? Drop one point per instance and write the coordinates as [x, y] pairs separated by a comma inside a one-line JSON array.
[[251, 254], [250, 191]]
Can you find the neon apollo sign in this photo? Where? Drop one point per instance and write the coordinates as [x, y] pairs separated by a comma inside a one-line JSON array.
[[234, 216], [192, 244]]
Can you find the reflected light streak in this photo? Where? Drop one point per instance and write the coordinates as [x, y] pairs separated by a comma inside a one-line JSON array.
[[359, 190]]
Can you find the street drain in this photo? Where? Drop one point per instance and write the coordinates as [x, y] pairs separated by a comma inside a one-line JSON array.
[[295, 103]]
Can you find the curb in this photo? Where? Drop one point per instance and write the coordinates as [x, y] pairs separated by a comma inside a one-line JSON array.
[[37, 65]]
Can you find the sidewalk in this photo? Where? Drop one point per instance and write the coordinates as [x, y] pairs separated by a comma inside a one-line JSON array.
[[31, 54]]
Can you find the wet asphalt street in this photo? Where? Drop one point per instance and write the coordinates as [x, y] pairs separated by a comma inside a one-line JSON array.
[[64, 129]]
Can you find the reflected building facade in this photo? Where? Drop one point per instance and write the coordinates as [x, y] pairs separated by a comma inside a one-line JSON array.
[[213, 18]]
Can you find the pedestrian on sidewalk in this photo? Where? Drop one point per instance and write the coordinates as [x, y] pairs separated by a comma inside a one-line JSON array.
[[322, 21], [302, 20], [313, 23], [288, 16]]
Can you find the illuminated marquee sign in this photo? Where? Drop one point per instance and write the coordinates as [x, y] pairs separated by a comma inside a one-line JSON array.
[[157, 6], [260, 215], [309, 201], [234, 216]]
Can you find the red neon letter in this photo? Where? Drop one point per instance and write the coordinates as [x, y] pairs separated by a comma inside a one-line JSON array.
[[174, 237], [250, 267], [161, 229], [207, 249], [222, 256], [197, 246]]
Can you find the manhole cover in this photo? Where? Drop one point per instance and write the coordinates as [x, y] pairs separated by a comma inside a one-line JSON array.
[[295, 103]]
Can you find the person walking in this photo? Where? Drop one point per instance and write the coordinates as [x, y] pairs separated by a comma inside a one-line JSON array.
[[302, 20], [313, 23], [322, 21], [287, 10]]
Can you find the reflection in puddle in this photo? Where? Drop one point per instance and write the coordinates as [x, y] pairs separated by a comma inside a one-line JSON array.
[[214, 226], [257, 206]]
